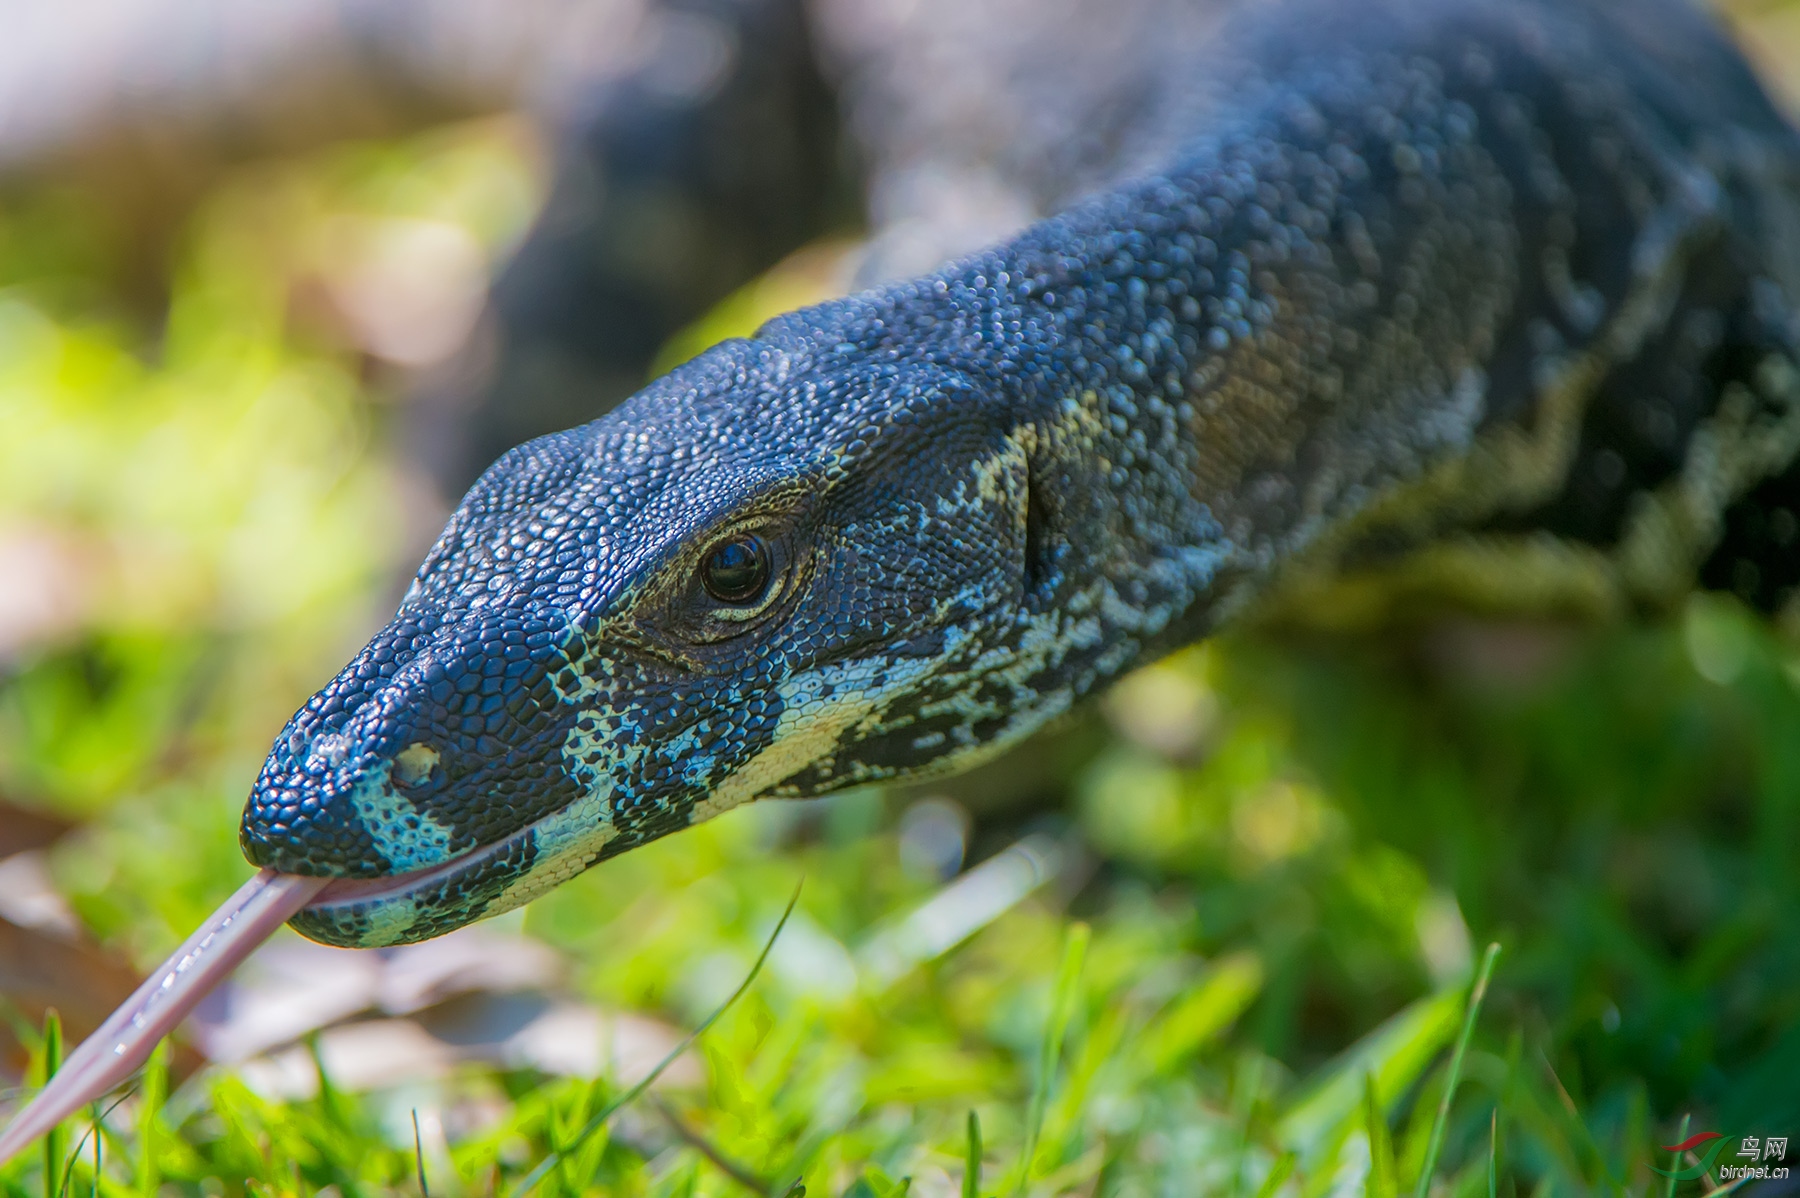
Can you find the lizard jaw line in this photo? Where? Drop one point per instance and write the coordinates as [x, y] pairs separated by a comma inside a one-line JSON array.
[[344, 892]]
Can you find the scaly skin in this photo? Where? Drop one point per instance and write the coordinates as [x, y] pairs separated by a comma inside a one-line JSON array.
[[1490, 302]]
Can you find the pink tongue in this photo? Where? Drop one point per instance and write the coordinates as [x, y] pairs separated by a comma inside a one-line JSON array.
[[125, 1040]]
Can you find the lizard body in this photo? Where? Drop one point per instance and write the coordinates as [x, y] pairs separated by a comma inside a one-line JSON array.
[[1479, 300]]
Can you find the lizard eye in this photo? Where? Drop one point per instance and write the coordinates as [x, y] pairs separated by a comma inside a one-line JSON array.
[[736, 570]]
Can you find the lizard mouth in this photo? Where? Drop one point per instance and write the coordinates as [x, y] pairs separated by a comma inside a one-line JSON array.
[[420, 903], [352, 892]]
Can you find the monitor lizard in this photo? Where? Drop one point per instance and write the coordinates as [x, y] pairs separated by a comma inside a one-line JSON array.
[[1490, 303]]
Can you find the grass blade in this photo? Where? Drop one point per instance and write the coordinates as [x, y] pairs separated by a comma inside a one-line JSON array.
[[1384, 1181], [155, 1089], [1494, 1154], [419, 1155], [1062, 1005], [1279, 1172], [971, 1186], [606, 1112], [95, 1129], [1477, 992], [1398, 1053], [1675, 1160], [691, 1136], [53, 1140]]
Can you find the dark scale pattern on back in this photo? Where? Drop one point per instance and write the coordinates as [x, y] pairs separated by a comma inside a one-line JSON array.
[[1440, 279]]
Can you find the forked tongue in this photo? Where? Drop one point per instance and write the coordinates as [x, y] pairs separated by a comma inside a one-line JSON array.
[[126, 1039]]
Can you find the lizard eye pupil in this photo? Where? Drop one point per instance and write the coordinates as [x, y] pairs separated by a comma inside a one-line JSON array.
[[736, 571]]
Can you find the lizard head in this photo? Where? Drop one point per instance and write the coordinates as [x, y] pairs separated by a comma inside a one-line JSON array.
[[776, 572]]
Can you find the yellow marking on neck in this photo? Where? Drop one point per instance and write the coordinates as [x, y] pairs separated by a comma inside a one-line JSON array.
[[811, 726], [800, 739]]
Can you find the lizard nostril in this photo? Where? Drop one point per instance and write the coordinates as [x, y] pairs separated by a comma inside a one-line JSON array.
[[414, 763]]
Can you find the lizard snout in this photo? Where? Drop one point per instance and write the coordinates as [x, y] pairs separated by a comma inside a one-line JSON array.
[[431, 744]]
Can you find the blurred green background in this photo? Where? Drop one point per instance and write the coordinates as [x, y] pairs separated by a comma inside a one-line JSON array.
[[1290, 853]]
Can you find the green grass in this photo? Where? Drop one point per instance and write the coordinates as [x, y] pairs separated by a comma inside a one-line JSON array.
[[1256, 976]]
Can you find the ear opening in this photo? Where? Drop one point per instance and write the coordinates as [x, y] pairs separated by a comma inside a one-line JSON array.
[[1043, 546]]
